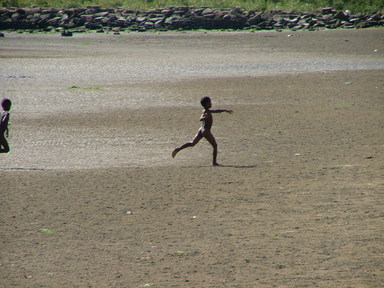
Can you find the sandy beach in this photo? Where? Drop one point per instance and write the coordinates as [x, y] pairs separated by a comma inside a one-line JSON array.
[[91, 197]]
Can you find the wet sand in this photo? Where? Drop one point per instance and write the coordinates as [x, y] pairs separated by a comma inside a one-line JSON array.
[[92, 198]]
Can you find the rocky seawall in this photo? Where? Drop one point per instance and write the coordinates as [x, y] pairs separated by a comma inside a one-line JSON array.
[[180, 18]]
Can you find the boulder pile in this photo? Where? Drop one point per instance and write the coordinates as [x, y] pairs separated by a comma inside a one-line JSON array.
[[180, 18]]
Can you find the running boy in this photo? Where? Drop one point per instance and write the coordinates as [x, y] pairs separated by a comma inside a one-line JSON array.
[[205, 130], [4, 132]]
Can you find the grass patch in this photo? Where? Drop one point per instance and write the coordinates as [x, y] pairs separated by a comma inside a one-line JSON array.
[[47, 230], [362, 6], [85, 88], [348, 105]]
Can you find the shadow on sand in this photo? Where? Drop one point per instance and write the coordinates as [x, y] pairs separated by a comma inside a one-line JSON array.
[[236, 166]]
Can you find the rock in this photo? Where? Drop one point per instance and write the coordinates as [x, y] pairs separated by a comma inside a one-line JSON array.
[[208, 11], [341, 16], [101, 14], [66, 34], [362, 24], [93, 26], [255, 20], [95, 17], [328, 10], [121, 22], [159, 25], [149, 25], [166, 13]]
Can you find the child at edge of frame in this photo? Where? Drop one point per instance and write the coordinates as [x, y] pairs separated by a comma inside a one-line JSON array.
[[4, 121]]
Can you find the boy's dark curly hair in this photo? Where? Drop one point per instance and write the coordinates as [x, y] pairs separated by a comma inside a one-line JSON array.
[[5, 103], [205, 100]]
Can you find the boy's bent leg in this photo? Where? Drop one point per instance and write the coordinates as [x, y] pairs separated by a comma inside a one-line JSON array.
[[188, 144], [4, 147]]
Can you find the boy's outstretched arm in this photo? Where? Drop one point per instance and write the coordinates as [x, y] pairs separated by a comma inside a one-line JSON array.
[[221, 110]]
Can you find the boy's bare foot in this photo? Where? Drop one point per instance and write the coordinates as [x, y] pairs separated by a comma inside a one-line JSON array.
[[175, 152]]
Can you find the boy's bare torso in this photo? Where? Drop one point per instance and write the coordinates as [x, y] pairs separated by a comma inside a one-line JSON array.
[[4, 121], [206, 121]]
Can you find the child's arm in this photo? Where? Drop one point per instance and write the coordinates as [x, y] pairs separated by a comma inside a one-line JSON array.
[[221, 110], [203, 116], [5, 123]]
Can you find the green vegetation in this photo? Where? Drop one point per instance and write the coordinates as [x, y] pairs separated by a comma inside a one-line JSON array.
[[362, 6], [86, 88], [47, 230]]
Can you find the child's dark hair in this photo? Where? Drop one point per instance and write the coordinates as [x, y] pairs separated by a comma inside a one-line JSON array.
[[205, 100], [5, 103]]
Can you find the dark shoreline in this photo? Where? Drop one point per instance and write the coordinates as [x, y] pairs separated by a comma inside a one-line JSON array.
[[179, 18]]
